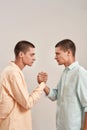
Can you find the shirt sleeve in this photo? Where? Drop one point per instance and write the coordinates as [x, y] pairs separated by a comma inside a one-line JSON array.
[[82, 90], [18, 90], [53, 94]]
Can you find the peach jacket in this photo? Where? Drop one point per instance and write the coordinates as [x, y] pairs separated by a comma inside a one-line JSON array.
[[15, 101]]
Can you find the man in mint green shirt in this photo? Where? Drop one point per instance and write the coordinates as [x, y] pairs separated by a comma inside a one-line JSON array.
[[71, 91]]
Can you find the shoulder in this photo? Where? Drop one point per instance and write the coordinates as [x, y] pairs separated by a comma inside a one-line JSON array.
[[9, 71], [82, 70], [82, 73]]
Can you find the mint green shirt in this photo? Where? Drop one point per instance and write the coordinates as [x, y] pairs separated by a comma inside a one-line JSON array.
[[71, 96]]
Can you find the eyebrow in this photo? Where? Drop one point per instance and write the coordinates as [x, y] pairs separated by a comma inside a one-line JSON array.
[[56, 52], [33, 54]]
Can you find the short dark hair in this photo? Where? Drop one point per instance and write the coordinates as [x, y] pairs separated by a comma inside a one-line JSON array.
[[22, 46], [67, 44]]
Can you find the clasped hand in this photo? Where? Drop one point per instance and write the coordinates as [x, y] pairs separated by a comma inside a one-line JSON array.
[[42, 77]]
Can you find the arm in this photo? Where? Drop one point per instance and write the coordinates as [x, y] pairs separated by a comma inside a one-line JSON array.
[[85, 122], [6, 103], [82, 95], [47, 90], [52, 94], [35, 95], [17, 88]]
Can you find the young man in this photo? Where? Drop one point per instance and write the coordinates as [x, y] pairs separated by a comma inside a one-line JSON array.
[[15, 101], [71, 91]]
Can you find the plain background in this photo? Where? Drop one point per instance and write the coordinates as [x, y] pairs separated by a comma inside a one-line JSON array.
[[44, 23]]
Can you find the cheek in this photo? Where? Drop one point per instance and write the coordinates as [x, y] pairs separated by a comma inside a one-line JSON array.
[[64, 57], [27, 58], [60, 56]]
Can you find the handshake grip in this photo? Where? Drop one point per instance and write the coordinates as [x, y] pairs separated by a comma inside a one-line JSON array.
[[42, 77]]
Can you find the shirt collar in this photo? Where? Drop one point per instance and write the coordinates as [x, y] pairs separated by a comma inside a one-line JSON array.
[[16, 66], [70, 67]]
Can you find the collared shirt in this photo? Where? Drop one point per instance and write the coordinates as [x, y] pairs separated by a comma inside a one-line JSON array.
[[71, 96], [15, 101]]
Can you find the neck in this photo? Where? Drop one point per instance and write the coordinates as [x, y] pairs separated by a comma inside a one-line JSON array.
[[72, 60], [19, 63]]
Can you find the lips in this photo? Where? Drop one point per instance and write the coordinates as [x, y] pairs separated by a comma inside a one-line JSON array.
[[32, 62], [57, 60]]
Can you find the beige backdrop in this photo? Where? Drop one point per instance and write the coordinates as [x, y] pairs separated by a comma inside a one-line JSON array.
[[44, 23]]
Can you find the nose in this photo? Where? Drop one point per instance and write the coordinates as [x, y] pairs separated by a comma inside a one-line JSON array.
[[34, 58], [55, 57]]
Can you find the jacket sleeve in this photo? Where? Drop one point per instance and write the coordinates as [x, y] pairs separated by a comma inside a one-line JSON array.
[[19, 92], [6, 103]]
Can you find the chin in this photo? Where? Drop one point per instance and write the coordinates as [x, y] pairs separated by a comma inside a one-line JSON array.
[[30, 65], [60, 63]]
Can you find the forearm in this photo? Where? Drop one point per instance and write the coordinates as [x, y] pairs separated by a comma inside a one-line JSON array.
[[85, 122], [52, 94], [46, 90], [35, 95]]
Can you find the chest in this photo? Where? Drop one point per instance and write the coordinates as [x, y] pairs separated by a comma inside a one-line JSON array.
[[68, 84]]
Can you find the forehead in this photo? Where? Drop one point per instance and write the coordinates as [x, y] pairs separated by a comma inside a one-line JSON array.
[[58, 49], [31, 49]]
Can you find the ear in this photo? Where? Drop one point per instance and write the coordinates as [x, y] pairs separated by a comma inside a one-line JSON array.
[[21, 54], [69, 52]]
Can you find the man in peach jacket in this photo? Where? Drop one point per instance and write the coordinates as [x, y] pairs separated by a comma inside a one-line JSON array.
[[15, 101]]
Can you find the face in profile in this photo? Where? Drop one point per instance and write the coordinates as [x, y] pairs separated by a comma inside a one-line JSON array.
[[28, 58], [61, 56]]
